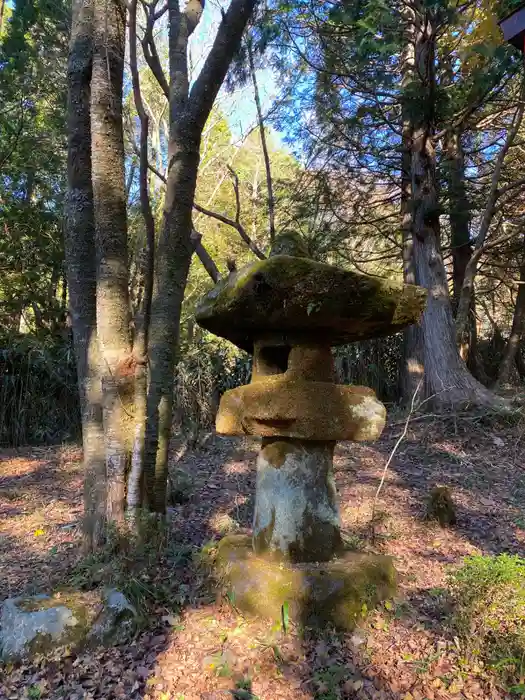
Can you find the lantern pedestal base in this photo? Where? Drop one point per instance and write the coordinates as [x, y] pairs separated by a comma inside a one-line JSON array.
[[338, 593]]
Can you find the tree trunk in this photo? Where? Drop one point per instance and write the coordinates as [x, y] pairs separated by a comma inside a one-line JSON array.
[[146, 265], [446, 377], [173, 256], [188, 113], [412, 369], [81, 271], [518, 325], [109, 196], [459, 215], [459, 212], [264, 146]]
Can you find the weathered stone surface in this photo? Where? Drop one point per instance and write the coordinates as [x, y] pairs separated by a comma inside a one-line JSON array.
[[282, 406], [116, 619], [317, 594], [313, 363], [303, 301], [296, 513], [64, 620]]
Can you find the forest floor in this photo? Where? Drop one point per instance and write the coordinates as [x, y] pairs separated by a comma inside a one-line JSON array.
[[201, 648]]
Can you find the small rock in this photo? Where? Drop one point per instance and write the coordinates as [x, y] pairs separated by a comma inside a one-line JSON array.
[[26, 621], [64, 620]]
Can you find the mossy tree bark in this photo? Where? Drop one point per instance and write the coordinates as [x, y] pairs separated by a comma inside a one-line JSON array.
[[109, 196], [189, 111], [81, 270]]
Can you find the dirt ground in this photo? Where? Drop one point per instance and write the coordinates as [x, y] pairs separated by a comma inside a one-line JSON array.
[[207, 650]]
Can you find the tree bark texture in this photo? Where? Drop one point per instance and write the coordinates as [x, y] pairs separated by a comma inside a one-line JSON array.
[[459, 211], [146, 266], [459, 216], [189, 111], [447, 379], [81, 270], [110, 200], [412, 359]]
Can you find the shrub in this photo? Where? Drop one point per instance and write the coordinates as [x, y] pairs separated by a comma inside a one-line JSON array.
[[38, 391], [489, 596]]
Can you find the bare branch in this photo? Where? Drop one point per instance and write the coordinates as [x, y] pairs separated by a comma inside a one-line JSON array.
[[488, 214], [150, 50], [236, 224], [205, 258], [211, 77], [264, 146]]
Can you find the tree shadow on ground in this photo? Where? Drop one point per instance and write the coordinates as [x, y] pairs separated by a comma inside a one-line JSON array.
[[483, 470], [198, 648]]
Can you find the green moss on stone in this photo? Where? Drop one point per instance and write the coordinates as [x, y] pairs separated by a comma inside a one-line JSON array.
[[303, 300], [84, 607], [281, 405], [335, 592]]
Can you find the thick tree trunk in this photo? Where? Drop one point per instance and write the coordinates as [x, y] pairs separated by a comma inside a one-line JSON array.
[[81, 271], [518, 326], [109, 195], [446, 378]]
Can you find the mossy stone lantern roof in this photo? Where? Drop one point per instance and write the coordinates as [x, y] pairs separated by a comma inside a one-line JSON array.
[[300, 300]]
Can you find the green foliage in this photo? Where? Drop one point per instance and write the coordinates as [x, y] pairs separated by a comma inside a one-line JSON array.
[[373, 363], [489, 594], [38, 391], [208, 367], [33, 51]]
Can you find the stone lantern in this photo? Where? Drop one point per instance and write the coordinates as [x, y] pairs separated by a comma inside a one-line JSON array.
[[288, 311]]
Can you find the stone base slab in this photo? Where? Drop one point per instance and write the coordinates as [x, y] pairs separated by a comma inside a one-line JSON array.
[[317, 595]]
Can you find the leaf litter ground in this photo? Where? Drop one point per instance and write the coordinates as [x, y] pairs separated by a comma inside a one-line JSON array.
[[198, 647]]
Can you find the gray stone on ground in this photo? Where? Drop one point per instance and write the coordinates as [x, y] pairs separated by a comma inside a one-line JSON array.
[[63, 620]]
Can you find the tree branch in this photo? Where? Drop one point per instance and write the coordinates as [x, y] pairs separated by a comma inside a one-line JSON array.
[[213, 73], [236, 224], [471, 268], [264, 146], [150, 50], [205, 258], [142, 321]]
